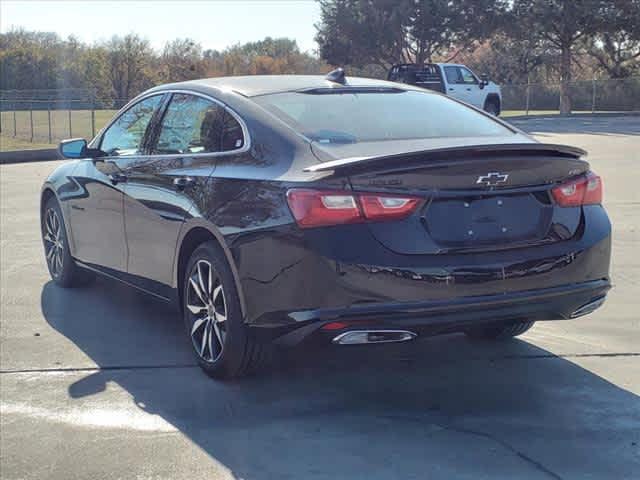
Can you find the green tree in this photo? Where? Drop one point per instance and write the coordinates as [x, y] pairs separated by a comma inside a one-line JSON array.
[[96, 78], [383, 32], [565, 24], [29, 60], [617, 46]]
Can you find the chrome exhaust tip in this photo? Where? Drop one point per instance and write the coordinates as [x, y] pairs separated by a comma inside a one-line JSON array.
[[588, 308], [358, 337]]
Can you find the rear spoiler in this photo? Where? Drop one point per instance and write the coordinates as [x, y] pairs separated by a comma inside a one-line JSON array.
[[467, 150]]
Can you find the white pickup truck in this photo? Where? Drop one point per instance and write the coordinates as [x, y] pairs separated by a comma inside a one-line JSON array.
[[451, 79]]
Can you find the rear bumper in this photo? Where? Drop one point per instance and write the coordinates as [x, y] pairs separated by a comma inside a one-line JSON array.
[[294, 282], [445, 316]]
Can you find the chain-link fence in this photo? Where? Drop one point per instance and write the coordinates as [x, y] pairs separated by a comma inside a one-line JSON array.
[[38, 119], [48, 116], [51, 121], [609, 95]]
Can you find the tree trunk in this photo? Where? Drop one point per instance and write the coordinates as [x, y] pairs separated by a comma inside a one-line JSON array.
[[420, 52], [565, 79]]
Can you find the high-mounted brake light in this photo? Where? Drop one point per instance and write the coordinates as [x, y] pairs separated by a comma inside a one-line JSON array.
[[584, 190], [315, 208]]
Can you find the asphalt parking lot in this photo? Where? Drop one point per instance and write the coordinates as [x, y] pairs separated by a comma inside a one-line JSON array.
[[99, 382]]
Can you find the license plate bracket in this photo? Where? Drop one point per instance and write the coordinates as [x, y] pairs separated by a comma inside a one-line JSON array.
[[480, 220]]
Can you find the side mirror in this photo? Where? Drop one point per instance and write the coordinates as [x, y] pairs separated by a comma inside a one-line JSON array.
[[73, 148], [484, 80], [77, 148]]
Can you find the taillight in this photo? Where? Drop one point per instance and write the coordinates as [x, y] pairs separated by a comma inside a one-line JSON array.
[[316, 208], [313, 208], [382, 207], [584, 190]]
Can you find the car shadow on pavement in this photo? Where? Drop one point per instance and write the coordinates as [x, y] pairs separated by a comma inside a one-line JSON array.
[[444, 407]]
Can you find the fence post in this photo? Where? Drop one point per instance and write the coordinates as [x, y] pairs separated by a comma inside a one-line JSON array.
[[93, 118], [528, 95], [70, 129], [49, 120], [593, 95], [14, 122], [31, 119]]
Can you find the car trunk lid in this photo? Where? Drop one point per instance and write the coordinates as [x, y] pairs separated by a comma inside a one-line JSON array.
[[477, 197]]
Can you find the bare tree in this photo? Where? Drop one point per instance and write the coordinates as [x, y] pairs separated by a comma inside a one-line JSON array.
[[181, 60], [129, 60]]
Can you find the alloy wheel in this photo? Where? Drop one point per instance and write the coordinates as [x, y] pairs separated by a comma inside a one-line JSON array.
[[53, 242], [207, 307]]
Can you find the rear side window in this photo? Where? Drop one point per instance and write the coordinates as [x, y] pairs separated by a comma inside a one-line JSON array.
[[125, 136], [343, 117], [194, 124]]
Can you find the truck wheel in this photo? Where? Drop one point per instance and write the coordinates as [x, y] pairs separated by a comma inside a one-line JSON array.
[[499, 333], [492, 107]]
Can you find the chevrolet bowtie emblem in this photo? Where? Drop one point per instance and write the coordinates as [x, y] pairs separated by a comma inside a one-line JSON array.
[[491, 179]]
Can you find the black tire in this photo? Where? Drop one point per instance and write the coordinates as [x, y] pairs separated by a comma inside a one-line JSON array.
[[226, 348], [503, 332], [492, 107], [60, 263]]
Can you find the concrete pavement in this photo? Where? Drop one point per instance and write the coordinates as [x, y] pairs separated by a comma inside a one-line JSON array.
[[99, 382]]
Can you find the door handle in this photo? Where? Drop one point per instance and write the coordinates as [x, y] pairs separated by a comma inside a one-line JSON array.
[[118, 177], [451, 89], [468, 89], [182, 183]]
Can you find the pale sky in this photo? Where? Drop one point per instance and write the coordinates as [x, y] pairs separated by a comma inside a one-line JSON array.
[[213, 23]]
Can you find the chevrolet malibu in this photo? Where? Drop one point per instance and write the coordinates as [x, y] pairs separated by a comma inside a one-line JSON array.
[[279, 209]]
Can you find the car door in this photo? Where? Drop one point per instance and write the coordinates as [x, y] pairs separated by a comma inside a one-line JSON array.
[[160, 190], [471, 84], [97, 211], [455, 88], [459, 85]]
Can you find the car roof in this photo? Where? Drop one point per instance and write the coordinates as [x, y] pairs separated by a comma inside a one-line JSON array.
[[254, 85], [428, 64]]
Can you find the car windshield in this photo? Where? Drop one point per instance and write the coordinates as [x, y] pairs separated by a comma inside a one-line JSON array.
[[346, 117]]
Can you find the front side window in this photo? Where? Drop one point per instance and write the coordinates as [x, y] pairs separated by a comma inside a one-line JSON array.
[[126, 135], [467, 76], [342, 117], [453, 75], [194, 124]]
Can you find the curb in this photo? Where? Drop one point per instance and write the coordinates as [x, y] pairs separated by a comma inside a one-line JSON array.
[[572, 115], [24, 156]]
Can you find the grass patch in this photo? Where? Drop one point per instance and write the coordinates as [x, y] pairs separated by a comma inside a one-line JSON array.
[[8, 144], [56, 124], [517, 113]]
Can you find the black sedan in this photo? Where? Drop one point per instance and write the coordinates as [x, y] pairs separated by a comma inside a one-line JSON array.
[[279, 209]]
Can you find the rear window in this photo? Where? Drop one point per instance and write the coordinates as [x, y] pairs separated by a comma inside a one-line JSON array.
[[365, 117]]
